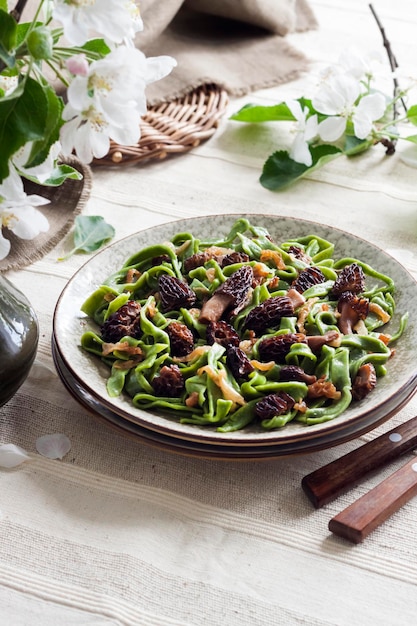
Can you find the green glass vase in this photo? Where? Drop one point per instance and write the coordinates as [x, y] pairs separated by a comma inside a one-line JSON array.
[[19, 336]]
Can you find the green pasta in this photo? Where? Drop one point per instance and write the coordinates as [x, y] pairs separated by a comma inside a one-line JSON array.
[[300, 335]]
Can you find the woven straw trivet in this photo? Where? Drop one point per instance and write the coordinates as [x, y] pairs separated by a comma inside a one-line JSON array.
[[173, 127]]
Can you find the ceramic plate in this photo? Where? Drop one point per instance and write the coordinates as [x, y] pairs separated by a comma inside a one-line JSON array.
[[390, 394]]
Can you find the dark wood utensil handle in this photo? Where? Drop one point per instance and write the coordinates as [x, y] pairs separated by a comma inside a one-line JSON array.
[[328, 482], [362, 517]]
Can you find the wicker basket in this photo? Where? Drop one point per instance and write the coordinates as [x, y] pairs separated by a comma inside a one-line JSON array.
[[173, 127]]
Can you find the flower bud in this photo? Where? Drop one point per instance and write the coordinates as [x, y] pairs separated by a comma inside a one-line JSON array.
[[77, 65], [40, 43]]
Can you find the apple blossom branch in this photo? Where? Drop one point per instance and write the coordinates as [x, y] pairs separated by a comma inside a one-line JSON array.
[[18, 10], [391, 57], [389, 143]]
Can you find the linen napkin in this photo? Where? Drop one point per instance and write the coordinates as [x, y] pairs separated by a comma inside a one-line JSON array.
[[239, 45]]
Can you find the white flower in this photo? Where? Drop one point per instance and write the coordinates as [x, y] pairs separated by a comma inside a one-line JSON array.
[[115, 20], [18, 212], [8, 84], [337, 98], [354, 63], [108, 102], [369, 109], [306, 130]]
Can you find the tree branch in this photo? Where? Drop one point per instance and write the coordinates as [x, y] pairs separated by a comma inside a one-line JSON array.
[[392, 60], [18, 10]]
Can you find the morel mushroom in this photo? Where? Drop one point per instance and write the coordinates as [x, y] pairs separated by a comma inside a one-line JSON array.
[[293, 372], [230, 295], [124, 322], [238, 362], [181, 339], [277, 347], [307, 278], [299, 254], [223, 333], [268, 314], [174, 293], [273, 405], [351, 278], [198, 260], [169, 383], [235, 257], [352, 308]]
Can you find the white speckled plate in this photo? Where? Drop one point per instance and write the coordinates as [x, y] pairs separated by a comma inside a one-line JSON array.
[[90, 374]]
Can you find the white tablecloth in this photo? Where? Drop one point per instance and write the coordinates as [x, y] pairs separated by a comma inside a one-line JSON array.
[[122, 533]]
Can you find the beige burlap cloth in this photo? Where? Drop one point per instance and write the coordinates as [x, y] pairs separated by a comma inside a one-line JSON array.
[[66, 201], [237, 44]]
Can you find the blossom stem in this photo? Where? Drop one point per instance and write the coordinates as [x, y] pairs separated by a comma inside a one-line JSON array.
[[69, 52], [57, 73]]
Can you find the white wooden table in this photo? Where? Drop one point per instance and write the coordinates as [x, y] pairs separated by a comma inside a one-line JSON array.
[[121, 533]]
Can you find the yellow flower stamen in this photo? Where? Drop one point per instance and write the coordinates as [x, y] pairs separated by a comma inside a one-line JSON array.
[[95, 118]]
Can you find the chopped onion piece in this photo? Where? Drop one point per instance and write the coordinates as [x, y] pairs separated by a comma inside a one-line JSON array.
[[219, 379]]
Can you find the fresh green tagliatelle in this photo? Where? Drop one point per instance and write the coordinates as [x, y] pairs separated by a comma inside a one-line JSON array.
[[335, 346]]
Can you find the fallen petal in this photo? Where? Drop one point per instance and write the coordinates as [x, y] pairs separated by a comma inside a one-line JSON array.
[[40, 371], [53, 446], [12, 456]]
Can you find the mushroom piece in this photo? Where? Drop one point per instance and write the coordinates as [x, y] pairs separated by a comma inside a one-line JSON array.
[[307, 278], [323, 388], [351, 278], [268, 314], [316, 342], [365, 381], [296, 297], [231, 294], [352, 308], [293, 372]]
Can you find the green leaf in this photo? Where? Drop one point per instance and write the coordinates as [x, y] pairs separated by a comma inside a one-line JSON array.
[[22, 118], [306, 102], [21, 32], [8, 59], [53, 123], [8, 27], [91, 233], [353, 145], [258, 113], [3, 5], [412, 138], [7, 38], [412, 114], [98, 46], [280, 170], [57, 176]]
